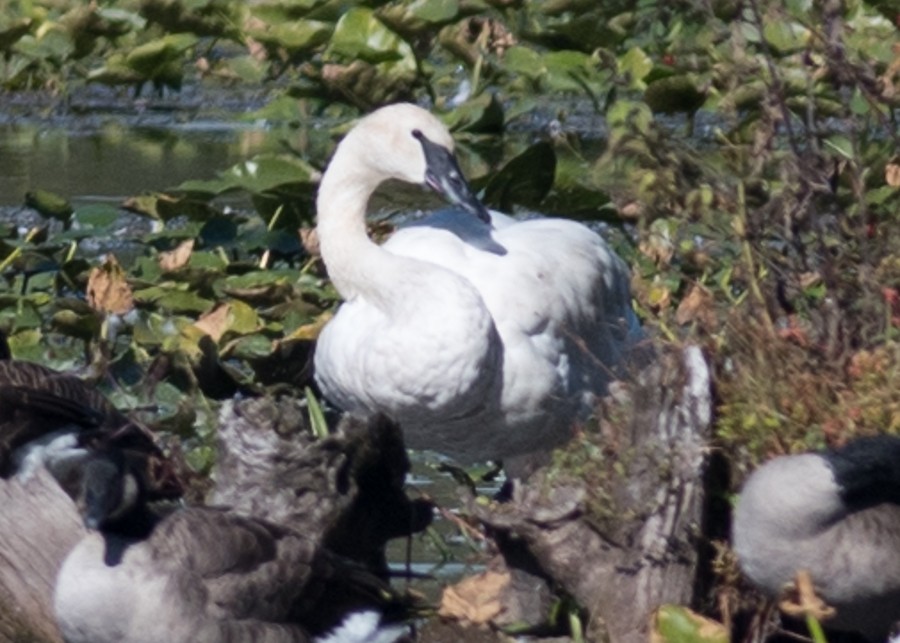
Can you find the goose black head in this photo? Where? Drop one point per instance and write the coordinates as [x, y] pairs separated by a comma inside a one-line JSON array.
[[110, 489]]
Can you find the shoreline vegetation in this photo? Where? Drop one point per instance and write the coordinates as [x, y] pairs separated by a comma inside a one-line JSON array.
[[740, 156]]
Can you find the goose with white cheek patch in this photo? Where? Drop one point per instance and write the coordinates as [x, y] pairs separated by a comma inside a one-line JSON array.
[[836, 515], [484, 337], [200, 575]]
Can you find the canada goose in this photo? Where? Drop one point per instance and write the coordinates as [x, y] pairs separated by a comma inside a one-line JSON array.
[[482, 336], [56, 419], [195, 575], [836, 515]]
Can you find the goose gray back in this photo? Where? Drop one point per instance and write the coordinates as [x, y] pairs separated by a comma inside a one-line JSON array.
[[835, 515], [482, 336], [195, 575]]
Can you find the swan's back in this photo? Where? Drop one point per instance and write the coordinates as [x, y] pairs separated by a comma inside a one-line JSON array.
[[560, 300]]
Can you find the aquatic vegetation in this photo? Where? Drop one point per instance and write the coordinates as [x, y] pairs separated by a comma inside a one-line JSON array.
[[742, 155]]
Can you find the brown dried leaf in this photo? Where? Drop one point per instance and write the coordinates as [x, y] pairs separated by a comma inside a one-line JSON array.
[[309, 238], [107, 288], [892, 174], [175, 259], [476, 599], [697, 306], [215, 322], [801, 600]]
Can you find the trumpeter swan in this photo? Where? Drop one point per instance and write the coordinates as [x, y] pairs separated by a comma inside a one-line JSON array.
[[835, 515], [482, 336]]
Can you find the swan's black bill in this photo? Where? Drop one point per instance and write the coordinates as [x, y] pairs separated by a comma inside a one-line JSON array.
[[442, 174]]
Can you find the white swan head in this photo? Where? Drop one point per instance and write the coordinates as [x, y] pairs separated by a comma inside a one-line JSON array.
[[408, 143]]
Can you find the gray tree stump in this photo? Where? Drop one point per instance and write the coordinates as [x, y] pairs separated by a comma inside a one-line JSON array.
[[614, 522]]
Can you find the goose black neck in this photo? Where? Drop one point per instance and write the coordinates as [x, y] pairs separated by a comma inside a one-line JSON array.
[[114, 498], [867, 470]]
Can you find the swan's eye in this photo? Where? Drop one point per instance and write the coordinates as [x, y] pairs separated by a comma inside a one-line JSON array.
[[417, 133]]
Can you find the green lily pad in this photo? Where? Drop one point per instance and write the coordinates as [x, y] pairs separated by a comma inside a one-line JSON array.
[[151, 59], [53, 44], [172, 298], [49, 204], [419, 15], [295, 36], [96, 217], [525, 180], [483, 114], [259, 174], [786, 36], [360, 35]]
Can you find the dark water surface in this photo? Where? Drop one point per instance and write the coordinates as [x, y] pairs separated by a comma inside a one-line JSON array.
[[113, 161]]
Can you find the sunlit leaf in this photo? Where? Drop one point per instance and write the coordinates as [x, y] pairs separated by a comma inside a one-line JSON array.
[[359, 35], [636, 63], [785, 35], [677, 624], [95, 217], [263, 172], [172, 299], [295, 36]]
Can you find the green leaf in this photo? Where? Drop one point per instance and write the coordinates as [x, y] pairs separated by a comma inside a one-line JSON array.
[[525, 180], [49, 204], [96, 217], [481, 114], [677, 624], [786, 36], [173, 299], [840, 144], [316, 416], [294, 36], [259, 174], [361, 35], [637, 64]]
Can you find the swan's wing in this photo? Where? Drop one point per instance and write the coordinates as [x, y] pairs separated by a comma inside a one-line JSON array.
[[532, 273]]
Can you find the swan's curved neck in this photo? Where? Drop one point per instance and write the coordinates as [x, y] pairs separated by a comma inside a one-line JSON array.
[[357, 266]]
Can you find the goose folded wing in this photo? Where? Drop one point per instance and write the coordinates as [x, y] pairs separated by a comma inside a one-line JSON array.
[[250, 568]]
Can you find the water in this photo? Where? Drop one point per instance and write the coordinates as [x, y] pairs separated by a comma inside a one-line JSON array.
[[113, 161]]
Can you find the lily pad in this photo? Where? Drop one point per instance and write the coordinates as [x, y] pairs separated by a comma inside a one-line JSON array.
[[360, 35], [525, 180], [261, 173]]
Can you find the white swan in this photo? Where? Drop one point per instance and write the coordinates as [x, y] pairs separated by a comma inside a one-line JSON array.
[[482, 336], [835, 515]]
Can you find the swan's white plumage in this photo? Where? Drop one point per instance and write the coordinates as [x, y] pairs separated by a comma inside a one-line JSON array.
[[481, 341]]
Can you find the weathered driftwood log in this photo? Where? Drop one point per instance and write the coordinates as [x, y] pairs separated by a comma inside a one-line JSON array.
[[614, 520], [39, 525], [345, 491]]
